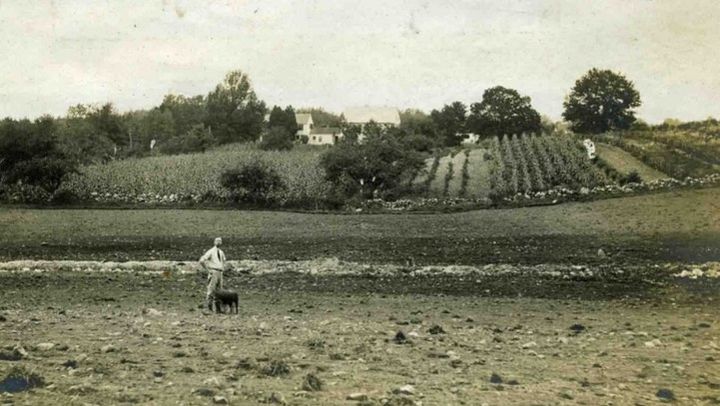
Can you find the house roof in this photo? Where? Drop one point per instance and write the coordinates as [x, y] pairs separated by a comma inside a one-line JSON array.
[[381, 115], [325, 130], [302, 118]]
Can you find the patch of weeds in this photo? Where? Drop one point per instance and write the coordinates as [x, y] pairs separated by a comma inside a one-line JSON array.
[[312, 383], [316, 344], [276, 368]]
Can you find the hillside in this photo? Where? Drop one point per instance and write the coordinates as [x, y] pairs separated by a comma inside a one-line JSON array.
[[172, 178]]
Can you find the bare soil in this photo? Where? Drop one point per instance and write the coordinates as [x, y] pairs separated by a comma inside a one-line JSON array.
[[588, 335]]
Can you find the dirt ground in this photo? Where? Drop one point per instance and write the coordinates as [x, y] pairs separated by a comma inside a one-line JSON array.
[[575, 336]]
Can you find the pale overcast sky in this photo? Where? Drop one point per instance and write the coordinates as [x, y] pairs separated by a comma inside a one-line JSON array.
[[336, 54]]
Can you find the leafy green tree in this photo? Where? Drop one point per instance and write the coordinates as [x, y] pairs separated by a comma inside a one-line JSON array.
[[450, 122], [234, 113], [197, 139], [380, 164], [79, 141], [30, 154], [601, 101], [277, 139], [503, 111], [187, 112], [284, 118]]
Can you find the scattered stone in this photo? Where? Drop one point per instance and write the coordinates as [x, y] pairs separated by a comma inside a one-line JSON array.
[[513, 382], [407, 390], [312, 383], [81, 389], [666, 395], [357, 397], [276, 398], [566, 394], [187, 370], [152, 312], [72, 364], [212, 381], [601, 253], [496, 379], [45, 346], [204, 392], [653, 343], [2, 318], [108, 348], [158, 374], [704, 325], [456, 363], [530, 344], [220, 400], [577, 328], [400, 338], [436, 329]]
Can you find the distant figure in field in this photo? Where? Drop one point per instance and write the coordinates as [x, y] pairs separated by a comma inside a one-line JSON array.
[[213, 261]]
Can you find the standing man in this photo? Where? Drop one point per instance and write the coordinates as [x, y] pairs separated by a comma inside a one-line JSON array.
[[214, 263]]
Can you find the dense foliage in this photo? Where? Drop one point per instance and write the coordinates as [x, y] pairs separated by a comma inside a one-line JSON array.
[[253, 182], [601, 101], [32, 164], [378, 166], [503, 111]]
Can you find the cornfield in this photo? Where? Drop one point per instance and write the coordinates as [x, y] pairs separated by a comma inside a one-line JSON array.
[[196, 176]]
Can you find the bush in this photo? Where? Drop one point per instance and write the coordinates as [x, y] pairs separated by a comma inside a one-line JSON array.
[[254, 182], [632, 177], [197, 139], [46, 173], [277, 139]]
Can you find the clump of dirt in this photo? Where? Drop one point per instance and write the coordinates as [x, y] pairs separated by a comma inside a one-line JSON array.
[[20, 379]]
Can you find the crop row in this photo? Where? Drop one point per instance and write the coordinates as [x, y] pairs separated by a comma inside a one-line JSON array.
[[527, 164], [196, 176]]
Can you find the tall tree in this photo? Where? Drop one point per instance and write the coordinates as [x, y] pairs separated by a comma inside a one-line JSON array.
[[284, 118], [187, 112], [503, 111], [234, 112], [450, 122], [601, 101]]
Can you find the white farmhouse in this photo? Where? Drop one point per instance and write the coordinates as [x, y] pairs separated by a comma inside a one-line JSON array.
[[384, 116], [305, 124], [324, 136]]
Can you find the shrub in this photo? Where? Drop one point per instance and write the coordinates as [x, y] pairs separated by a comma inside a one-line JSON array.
[[632, 177], [277, 139], [254, 182]]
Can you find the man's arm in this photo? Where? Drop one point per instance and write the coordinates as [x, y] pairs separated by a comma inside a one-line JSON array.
[[203, 260]]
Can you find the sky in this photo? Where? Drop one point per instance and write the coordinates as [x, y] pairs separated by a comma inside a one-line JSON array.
[[337, 53]]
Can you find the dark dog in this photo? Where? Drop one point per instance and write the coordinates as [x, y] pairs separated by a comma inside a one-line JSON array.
[[226, 298]]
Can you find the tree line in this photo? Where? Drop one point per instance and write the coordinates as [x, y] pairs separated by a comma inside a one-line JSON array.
[[38, 153]]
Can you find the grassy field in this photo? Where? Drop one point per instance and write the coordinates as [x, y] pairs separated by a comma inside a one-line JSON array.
[[623, 162], [672, 225]]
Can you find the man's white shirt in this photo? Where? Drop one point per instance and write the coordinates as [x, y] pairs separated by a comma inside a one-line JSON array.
[[214, 258]]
